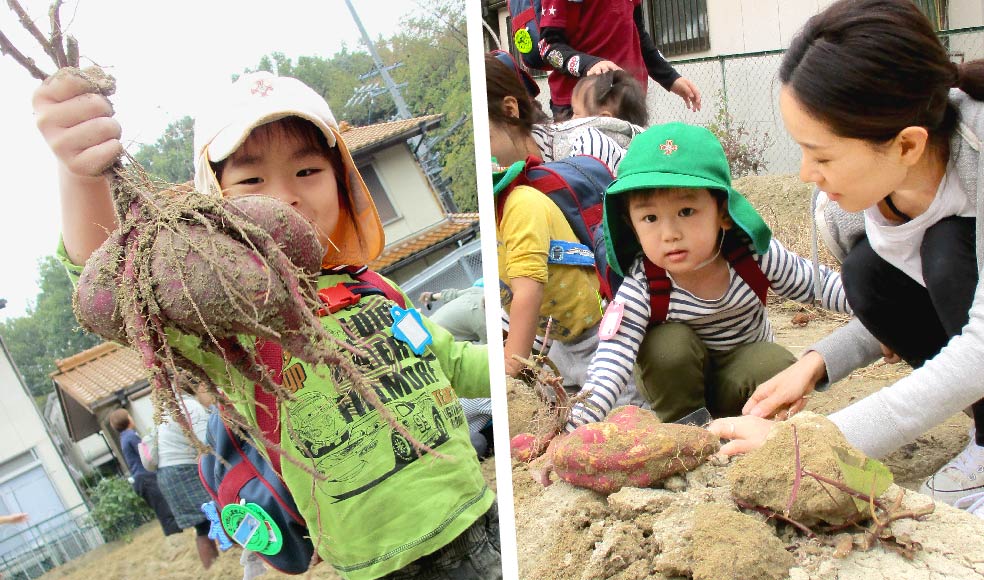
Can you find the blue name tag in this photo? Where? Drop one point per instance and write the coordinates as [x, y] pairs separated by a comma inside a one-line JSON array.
[[570, 254], [409, 328]]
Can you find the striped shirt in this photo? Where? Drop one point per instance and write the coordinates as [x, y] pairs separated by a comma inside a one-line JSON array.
[[585, 141], [737, 317]]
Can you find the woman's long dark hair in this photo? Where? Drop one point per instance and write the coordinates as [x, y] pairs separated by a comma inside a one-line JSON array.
[[870, 68], [502, 82]]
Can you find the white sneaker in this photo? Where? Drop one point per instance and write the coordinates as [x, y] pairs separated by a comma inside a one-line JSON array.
[[973, 503], [963, 476]]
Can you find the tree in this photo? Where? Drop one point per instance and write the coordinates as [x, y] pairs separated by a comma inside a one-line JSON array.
[[48, 331], [171, 157], [432, 47]]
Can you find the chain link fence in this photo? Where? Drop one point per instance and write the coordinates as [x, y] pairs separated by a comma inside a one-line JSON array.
[[459, 269], [48, 544], [746, 86]]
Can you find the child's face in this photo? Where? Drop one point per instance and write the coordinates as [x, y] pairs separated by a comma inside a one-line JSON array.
[[678, 229], [284, 166], [581, 105]]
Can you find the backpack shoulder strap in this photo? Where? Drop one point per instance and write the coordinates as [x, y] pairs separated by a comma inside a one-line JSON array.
[[370, 282], [271, 355], [741, 258], [659, 291]]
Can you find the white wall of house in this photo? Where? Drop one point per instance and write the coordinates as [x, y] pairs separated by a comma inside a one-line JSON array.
[[33, 477], [965, 13], [408, 190]]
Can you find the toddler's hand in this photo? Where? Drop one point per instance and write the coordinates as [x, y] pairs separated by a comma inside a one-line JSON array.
[[78, 124]]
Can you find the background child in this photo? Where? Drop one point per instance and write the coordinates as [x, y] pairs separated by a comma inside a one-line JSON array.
[[609, 111], [177, 472], [531, 290], [389, 511], [612, 93], [674, 206], [144, 482]]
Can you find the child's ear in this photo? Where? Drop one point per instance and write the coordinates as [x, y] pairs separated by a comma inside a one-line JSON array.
[[726, 222]]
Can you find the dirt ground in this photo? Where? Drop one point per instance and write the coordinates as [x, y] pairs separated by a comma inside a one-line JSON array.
[[564, 532], [151, 556]]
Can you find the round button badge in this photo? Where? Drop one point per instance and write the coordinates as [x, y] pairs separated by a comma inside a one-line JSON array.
[[523, 41], [252, 528]]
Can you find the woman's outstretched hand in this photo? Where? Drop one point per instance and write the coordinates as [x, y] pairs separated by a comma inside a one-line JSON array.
[[744, 433], [785, 394]]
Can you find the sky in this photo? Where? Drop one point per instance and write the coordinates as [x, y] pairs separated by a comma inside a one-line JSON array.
[[163, 55]]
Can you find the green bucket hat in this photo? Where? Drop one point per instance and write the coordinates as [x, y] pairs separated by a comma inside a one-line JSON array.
[[673, 155]]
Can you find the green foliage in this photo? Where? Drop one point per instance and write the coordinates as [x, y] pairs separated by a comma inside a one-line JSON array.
[[432, 48], [170, 158], [744, 147], [117, 509], [869, 477], [48, 331]]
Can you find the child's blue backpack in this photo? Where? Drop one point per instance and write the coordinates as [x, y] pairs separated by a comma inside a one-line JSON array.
[[525, 16], [256, 509], [577, 185]]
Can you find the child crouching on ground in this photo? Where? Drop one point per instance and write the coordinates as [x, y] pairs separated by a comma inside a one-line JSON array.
[[697, 261], [380, 511]]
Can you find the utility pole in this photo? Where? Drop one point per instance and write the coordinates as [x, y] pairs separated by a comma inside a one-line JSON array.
[[401, 106], [422, 149]]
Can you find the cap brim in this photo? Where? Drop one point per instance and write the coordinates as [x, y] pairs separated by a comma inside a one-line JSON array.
[[232, 136], [656, 180]]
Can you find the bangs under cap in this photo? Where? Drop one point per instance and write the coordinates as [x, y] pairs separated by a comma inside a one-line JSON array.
[[255, 99]]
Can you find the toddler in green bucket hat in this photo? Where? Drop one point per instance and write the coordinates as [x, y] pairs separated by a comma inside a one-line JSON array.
[[698, 260]]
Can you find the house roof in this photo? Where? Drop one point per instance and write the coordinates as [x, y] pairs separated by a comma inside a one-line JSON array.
[[359, 139], [453, 225], [96, 374]]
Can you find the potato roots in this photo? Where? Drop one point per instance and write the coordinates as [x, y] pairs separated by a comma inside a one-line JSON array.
[[213, 269]]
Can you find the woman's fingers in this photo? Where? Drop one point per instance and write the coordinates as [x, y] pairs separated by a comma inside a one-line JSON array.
[[745, 433]]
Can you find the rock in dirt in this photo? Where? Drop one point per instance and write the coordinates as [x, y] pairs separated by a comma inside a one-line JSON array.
[[765, 477], [631, 448], [729, 544]]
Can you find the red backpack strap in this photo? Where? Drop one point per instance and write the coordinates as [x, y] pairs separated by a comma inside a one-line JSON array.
[[271, 355], [371, 279], [743, 261], [659, 291]]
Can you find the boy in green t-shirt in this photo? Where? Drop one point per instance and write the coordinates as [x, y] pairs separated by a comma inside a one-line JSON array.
[[381, 510]]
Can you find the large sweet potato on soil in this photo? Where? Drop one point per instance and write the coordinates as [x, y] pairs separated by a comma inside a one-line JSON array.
[[631, 448]]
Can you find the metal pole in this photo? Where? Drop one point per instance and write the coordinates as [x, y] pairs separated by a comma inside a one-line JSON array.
[[401, 106]]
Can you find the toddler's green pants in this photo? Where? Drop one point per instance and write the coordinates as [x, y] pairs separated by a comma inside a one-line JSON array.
[[678, 374]]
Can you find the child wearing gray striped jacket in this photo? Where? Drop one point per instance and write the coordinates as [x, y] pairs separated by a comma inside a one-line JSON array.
[[698, 260]]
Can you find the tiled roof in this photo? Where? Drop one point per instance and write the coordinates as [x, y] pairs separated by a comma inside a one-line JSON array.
[[451, 225], [361, 137], [95, 374]]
